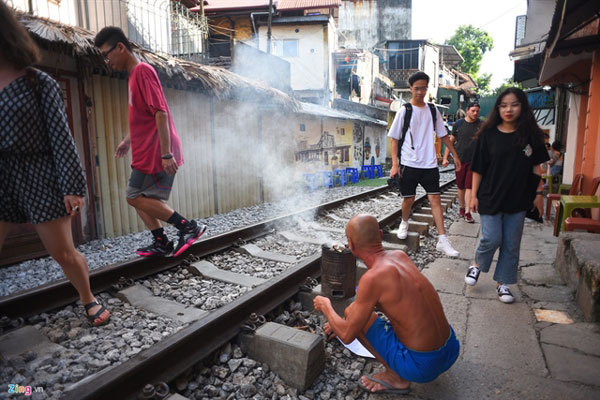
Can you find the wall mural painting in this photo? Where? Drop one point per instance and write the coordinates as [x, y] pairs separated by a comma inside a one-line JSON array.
[[317, 151], [357, 134]]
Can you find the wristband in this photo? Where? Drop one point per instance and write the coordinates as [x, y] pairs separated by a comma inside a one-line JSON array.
[[167, 156], [542, 193]]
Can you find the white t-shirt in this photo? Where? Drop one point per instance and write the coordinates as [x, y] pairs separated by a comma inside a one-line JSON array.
[[418, 150]]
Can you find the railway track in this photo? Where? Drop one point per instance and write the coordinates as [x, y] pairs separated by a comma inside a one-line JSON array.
[[196, 341]]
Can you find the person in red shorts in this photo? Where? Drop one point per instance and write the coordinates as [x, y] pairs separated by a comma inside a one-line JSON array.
[[462, 136], [155, 148]]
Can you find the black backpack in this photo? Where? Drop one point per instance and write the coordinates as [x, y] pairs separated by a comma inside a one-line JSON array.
[[406, 125], [394, 182]]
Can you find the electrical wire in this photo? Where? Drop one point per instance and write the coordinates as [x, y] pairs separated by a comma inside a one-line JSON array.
[[501, 15]]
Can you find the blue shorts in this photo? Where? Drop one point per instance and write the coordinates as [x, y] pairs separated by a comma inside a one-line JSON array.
[[412, 365]]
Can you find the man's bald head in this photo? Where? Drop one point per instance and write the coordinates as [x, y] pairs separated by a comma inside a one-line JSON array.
[[363, 231]]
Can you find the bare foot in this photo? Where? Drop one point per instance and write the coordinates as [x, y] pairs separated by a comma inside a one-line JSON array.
[[386, 376]]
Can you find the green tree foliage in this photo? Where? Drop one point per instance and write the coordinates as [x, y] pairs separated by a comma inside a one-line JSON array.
[[472, 43], [483, 84]]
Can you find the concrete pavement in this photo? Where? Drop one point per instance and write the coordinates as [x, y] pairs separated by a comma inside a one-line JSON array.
[[506, 351]]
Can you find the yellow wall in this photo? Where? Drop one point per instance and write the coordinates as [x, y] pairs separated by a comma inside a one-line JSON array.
[[316, 128], [239, 27]]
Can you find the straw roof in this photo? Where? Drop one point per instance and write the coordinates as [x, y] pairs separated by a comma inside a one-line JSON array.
[[179, 73]]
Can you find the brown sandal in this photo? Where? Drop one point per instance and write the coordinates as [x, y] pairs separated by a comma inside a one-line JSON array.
[[96, 316]]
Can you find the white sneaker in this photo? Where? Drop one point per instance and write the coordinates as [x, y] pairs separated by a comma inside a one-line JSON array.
[[402, 230], [472, 275], [504, 294], [444, 246]]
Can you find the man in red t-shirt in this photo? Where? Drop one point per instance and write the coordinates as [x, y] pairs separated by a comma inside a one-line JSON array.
[[155, 148]]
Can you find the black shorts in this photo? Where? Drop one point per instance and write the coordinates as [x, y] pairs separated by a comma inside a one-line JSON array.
[[429, 178]]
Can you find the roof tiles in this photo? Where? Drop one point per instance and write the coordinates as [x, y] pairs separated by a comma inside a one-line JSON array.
[[283, 5], [230, 5]]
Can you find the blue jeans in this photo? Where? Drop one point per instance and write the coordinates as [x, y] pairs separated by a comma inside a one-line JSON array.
[[504, 231]]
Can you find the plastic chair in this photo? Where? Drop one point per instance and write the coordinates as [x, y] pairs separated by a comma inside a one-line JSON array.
[[575, 190], [588, 224], [311, 182], [354, 174], [581, 213], [327, 179], [341, 173], [378, 169], [367, 170], [587, 213], [550, 181]]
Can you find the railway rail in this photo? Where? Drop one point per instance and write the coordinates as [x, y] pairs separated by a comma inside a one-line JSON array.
[[193, 343]]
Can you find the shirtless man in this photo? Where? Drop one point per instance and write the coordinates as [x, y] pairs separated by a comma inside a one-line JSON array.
[[421, 344]]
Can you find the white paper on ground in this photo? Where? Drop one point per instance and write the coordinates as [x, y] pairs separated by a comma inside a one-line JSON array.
[[357, 348]]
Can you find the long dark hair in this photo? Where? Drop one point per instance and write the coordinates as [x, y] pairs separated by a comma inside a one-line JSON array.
[[527, 128], [17, 48]]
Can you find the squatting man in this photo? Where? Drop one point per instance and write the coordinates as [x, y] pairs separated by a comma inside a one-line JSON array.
[[417, 344]]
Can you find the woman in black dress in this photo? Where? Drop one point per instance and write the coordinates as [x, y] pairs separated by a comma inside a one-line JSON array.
[[41, 178], [506, 172]]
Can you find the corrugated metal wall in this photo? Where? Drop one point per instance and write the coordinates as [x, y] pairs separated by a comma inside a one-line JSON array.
[[237, 155], [278, 164], [192, 194], [229, 148], [111, 125]]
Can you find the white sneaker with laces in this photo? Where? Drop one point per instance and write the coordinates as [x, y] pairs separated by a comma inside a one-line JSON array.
[[402, 230], [472, 275], [444, 246], [504, 294]]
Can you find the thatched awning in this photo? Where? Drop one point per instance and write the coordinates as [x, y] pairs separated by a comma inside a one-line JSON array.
[[223, 83]]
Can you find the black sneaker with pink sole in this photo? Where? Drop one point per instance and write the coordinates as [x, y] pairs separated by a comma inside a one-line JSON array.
[[188, 237], [158, 248]]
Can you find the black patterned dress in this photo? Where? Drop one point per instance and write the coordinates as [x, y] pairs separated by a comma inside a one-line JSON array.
[[39, 163]]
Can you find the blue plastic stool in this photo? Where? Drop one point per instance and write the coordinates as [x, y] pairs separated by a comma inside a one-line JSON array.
[[342, 174], [327, 179], [378, 169], [353, 173], [368, 170], [311, 181]]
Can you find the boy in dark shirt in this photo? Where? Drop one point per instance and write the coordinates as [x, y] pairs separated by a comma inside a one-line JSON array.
[[462, 136]]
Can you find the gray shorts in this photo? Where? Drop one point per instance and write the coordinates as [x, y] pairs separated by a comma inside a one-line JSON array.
[[156, 186]]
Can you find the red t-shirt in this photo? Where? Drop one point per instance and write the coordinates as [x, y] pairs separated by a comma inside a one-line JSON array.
[[146, 97]]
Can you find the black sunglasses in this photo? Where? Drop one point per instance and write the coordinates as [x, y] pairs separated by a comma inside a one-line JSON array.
[[105, 54]]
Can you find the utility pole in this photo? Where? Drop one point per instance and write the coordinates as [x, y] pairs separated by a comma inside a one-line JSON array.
[[269, 27]]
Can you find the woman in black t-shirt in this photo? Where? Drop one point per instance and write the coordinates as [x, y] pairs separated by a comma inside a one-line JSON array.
[[506, 171]]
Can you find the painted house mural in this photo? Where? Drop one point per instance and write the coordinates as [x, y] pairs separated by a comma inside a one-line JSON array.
[[327, 139]]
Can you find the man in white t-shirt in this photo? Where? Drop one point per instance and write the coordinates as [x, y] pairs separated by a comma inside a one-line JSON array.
[[418, 158]]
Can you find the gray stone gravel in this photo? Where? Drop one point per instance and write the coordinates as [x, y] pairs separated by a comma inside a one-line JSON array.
[[99, 253], [181, 286], [86, 349], [108, 251], [248, 265], [230, 374], [277, 244]]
